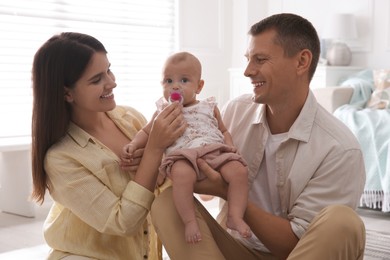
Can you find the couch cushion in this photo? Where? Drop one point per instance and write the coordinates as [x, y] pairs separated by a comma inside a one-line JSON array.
[[333, 97], [380, 97]]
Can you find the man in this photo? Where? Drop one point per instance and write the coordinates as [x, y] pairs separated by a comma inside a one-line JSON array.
[[306, 168]]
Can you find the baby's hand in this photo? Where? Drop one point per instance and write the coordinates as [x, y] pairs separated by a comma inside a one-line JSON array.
[[127, 156], [229, 149], [234, 149], [206, 197], [160, 180]]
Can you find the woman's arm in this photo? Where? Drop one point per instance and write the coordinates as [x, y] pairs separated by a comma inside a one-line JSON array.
[[166, 128]]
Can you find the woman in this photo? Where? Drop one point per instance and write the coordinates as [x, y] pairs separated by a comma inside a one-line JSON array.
[[100, 211]]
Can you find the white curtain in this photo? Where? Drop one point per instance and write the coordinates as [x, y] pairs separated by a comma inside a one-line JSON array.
[[138, 36]]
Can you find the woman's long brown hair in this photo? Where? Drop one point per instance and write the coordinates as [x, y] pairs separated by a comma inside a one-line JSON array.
[[58, 63]]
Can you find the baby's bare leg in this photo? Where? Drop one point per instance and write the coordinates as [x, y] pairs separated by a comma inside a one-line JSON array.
[[237, 176], [183, 179]]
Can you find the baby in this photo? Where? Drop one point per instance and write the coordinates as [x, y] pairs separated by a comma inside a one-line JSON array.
[[205, 137]]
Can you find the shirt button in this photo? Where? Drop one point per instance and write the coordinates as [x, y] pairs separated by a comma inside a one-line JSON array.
[[145, 257], [145, 232]]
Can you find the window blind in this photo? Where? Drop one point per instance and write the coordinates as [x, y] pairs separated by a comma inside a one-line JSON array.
[[138, 36]]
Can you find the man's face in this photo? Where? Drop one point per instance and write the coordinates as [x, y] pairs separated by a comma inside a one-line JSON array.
[[269, 70]]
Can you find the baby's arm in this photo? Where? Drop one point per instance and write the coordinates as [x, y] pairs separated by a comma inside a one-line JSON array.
[[139, 141], [228, 141], [227, 137]]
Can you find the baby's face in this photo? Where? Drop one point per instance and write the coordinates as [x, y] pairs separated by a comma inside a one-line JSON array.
[[182, 77]]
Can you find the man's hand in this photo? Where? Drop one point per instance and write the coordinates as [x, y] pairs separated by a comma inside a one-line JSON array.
[[213, 184]]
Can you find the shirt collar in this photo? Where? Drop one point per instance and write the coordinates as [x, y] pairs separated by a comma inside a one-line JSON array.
[[302, 126], [81, 137], [257, 111]]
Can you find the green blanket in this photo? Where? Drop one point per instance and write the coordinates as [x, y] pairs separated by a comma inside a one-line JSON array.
[[372, 129]]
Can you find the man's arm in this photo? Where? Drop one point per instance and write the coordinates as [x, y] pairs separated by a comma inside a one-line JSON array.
[[273, 231]]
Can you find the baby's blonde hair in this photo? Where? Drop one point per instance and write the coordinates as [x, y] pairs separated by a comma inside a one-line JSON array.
[[185, 56]]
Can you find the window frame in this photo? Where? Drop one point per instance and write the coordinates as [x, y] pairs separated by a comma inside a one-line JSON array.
[[137, 45]]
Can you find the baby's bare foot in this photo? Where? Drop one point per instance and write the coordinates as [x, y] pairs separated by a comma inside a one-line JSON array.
[[240, 226], [192, 232]]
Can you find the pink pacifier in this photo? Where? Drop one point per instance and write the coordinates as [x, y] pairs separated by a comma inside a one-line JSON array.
[[175, 96]]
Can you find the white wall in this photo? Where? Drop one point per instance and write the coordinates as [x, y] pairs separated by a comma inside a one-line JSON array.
[[372, 48], [205, 29], [216, 31]]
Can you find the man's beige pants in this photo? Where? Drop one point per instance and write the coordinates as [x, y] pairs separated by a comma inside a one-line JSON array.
[[336, 233]]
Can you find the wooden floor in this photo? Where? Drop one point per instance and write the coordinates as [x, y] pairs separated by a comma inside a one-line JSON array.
[[18, 232]]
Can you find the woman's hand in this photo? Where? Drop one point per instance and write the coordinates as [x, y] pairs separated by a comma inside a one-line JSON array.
[[162, 132], [213, 184], [167, 126]]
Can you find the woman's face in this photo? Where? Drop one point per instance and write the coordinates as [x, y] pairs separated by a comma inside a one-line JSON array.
[[93, 92]]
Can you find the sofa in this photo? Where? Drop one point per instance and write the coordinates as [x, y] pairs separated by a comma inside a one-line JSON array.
[[333, 97], [371, 126]]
